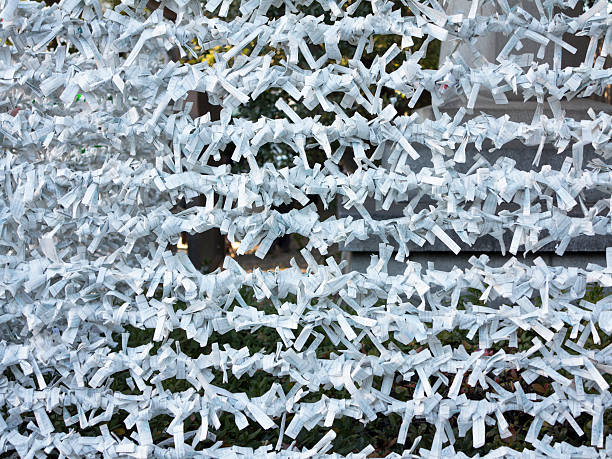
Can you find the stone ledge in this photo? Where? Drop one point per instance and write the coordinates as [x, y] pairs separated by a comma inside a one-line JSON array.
[[522, 154], [446, 261], [486, 243]]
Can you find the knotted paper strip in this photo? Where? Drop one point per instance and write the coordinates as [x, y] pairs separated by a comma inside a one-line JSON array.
[[98, 147]]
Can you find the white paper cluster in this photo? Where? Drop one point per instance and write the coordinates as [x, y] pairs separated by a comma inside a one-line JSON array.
[[98, 147]]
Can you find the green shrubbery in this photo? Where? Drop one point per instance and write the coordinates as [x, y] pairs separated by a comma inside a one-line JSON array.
[[352, 435]]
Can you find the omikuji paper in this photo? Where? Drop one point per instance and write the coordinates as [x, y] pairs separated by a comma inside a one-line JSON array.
[[98, 148]]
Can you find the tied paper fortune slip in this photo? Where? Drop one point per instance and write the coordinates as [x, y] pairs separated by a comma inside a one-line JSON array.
[[99, 147]]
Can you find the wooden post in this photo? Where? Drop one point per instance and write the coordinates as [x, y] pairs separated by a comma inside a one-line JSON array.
[[205, 250]]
